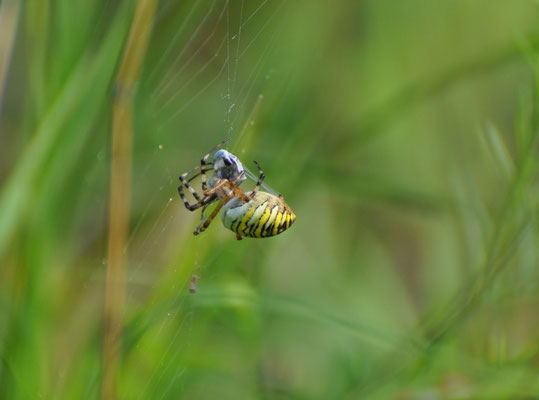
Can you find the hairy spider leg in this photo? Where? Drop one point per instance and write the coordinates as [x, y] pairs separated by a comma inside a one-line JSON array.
[[231, 185], [203, 164], [204, 201], [201, 203], [223, 183], [258, 183], [185, 183], [210, 195]]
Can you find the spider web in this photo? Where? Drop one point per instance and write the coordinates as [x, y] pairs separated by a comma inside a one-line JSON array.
[[208, 70], [203, 56]]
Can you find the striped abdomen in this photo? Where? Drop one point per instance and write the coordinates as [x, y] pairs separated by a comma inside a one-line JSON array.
[[264, 215]]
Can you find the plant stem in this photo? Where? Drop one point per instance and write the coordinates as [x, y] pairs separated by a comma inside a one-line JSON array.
[[120, 192]]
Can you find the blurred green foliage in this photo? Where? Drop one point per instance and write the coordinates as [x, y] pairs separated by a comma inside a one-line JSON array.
[[402, 133]]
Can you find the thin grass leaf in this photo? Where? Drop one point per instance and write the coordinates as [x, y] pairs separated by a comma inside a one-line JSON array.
[[499, 150], [17, 193]]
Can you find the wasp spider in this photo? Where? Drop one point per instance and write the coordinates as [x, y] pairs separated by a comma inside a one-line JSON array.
[[255, 214]]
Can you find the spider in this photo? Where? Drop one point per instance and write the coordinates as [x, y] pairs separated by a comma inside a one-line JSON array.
[[255, 214]]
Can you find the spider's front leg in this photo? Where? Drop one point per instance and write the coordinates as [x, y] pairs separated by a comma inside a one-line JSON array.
[[190, 207], [202, 202], [204, 163], [185, 183], [237, 190]]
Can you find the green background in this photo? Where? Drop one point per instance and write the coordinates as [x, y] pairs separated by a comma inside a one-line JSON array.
[[402, 134]]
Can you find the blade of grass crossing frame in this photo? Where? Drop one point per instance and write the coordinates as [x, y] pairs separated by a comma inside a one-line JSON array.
[[120, 191]]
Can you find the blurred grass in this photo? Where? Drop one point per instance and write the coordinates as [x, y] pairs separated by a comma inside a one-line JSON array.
[[9, 11], [403, 135], [120, 193]]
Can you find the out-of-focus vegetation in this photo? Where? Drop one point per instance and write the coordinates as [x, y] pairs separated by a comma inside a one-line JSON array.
[[402, 133]]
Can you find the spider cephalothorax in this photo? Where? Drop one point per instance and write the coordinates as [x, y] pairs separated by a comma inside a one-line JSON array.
[[254, 214]]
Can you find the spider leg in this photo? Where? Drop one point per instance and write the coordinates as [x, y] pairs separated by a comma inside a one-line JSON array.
[[185, 182], [217, 187], [203, 225], [204, 162], [198, 173], [185, 202], [210, 200], [232, 185], [200, 203], [235, 181], [239, 193], [190, 207], [203, 172], [259, 182], [237, 190]]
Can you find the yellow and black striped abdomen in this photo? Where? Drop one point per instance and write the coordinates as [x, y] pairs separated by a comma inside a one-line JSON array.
[[264, 215]]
